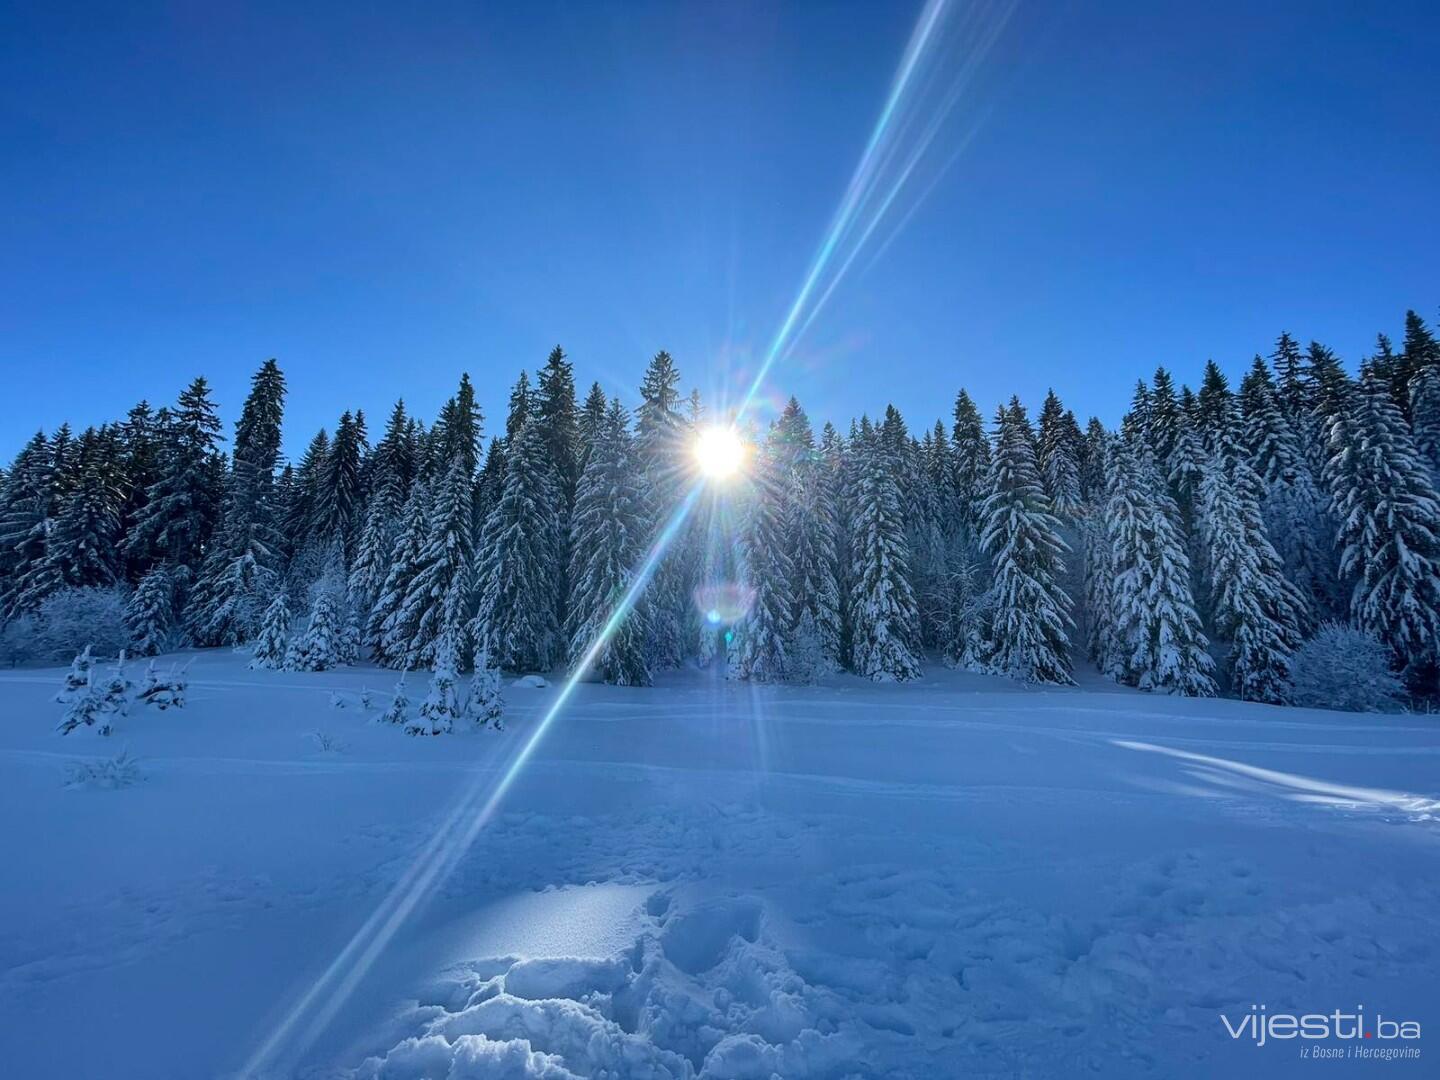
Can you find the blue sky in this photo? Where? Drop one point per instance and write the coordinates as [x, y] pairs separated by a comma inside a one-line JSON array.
[[384, 195]]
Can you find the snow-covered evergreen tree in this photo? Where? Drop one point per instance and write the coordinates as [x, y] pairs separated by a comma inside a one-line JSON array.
[[391, 628], [660, 429], [485, 703], [1057, 460], [150, 613], [441, 707], [884, 618], [1253, 607], [241, 568], [438, 600], [516, 572], [1154, 639], [971, 455], [1389, 527], [183, 505], [1022, 538], [318, 647], [271, 645], [27, 507], [81, 550], [769, 572], [608, 530], [812, 537], [397, 712]]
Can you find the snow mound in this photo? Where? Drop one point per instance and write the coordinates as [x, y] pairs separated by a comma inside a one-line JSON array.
[[530, 682], [702, 992]]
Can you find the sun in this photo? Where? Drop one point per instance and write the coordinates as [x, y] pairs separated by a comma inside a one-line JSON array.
[[719, 452]]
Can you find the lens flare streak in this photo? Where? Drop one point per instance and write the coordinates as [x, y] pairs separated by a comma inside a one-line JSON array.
[[909, 123]]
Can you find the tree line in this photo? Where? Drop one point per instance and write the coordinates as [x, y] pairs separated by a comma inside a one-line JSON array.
[[1195, 550]]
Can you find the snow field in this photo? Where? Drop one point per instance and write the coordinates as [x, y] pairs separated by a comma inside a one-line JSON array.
[[955, 878]]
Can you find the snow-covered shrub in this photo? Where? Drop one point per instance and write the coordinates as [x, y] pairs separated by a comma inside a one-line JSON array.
[[327, 743], [18, 641], [1344, 668], [94, 700], [163, 691], [77, 679], [115, 687], [367, 700], [86, 708], [120, 771], [70, 619]]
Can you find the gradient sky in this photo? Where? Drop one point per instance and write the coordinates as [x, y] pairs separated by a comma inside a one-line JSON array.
[[384, 195]]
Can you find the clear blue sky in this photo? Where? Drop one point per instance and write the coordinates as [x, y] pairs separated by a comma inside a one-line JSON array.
[[383, 195]]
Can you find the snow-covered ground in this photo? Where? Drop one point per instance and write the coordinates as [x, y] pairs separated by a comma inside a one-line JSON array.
[[960, 877]]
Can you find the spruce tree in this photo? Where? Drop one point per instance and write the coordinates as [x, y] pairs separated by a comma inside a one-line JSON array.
[[338, 505], [27, 505], [300, 511], [141, 441], [812, 535], [591, 425], [1154, 639], [1253, 607], [318, 647], [660, 451], [769, 572], [271, 645], [371, 565], [441, 707], [516, 572], [241, 570], [971, 455], [607, 534], [1021, 536], [1059, 467], [485, 703], [81, 549], [1425, 416], [183, 504], [390, 629], [884, 618], [1389, 533], [150, 613], [438, 600]]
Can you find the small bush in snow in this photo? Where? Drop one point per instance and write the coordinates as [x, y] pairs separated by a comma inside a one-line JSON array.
[[1344, 668], [337, 700], [163, 691], [367, 699], [327, 743], [77, 679], [86, 709], [120, 771], [18, 644], [70, 619]]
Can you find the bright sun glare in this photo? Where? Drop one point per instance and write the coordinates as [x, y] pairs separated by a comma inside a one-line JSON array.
[[719, 452]]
